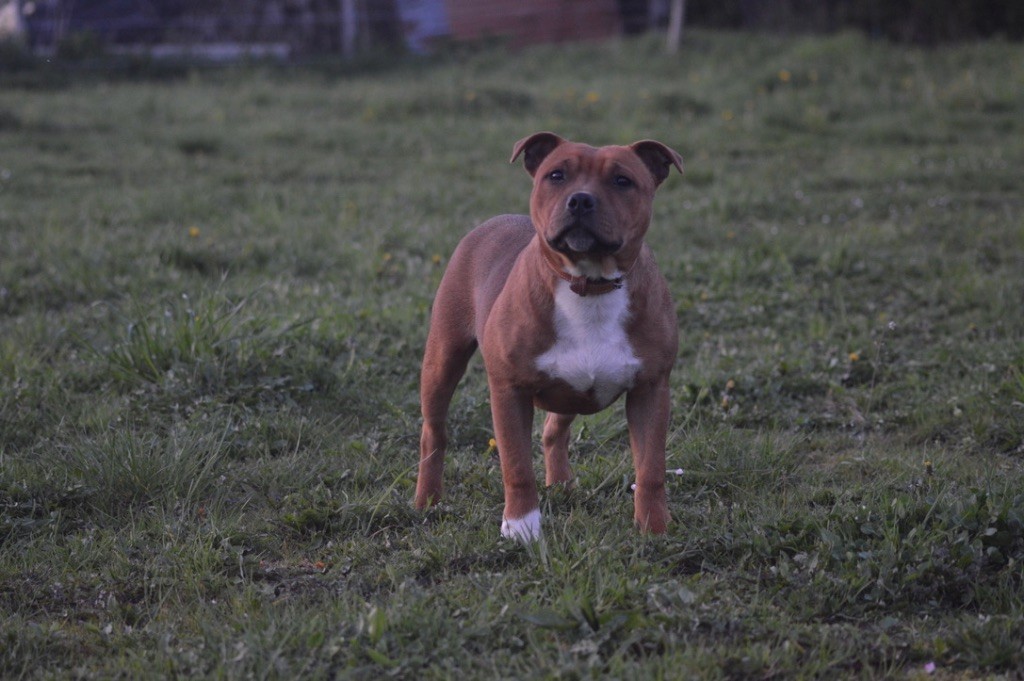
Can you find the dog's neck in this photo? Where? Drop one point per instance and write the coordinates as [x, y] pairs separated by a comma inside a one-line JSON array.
[[581, 284]]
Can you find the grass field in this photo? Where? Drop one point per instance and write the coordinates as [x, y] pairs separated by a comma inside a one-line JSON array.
[[214, 290]]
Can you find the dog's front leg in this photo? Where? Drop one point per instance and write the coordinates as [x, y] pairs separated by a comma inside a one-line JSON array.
[[512, 411], [647, 413]]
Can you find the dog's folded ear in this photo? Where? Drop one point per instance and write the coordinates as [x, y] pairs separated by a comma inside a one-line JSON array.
[[534, 149], [658, 158]]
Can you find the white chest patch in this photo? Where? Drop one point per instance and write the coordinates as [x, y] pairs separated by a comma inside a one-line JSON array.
[[591, 350]]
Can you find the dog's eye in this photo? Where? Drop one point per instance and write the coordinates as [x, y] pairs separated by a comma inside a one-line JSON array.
[[622, 181], [556, 175]]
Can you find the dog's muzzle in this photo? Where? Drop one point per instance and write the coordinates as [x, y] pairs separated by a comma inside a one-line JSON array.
[[578, 236], [577, 239]]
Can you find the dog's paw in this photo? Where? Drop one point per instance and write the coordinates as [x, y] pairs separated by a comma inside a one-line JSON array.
[[525, 529]]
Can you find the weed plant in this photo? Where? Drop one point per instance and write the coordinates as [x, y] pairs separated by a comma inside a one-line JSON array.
[[214, 291]]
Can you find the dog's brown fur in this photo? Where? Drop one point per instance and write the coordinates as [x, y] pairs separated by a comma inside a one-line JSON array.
[[589, 211]]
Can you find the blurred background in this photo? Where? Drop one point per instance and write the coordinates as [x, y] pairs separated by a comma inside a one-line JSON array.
[[226, 29]]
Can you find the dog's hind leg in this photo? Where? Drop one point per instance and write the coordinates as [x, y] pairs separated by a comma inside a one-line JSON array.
[[444, 363], [555, 439], [441, 373]]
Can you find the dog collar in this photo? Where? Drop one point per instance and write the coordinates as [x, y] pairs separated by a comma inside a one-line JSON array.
[[582, 285]]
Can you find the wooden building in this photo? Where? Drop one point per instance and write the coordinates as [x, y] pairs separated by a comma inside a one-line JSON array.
[[524, 22]]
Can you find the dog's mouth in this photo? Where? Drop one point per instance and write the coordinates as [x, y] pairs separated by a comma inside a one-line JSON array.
[[576, 239]]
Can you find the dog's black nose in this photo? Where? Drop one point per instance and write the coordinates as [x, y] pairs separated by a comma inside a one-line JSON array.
[[581, 203]]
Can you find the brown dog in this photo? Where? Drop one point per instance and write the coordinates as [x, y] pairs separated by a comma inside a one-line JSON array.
[[569, 311]]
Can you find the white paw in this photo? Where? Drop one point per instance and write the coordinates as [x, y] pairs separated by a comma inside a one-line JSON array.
[[525, 529]]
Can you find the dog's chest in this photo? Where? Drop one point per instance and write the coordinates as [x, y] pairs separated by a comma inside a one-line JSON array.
[[591, 351]]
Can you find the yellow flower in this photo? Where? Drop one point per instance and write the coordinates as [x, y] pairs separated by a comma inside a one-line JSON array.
[[386, 257], [492, 443], [728, 115], [193, 232], [854, 356], [785, 76], [436, 259], [592, 97]]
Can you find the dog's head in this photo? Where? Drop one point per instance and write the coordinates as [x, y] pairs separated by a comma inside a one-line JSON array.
[[592, 205]]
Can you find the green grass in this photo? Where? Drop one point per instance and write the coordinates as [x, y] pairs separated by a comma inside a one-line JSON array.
[[214, 290]]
